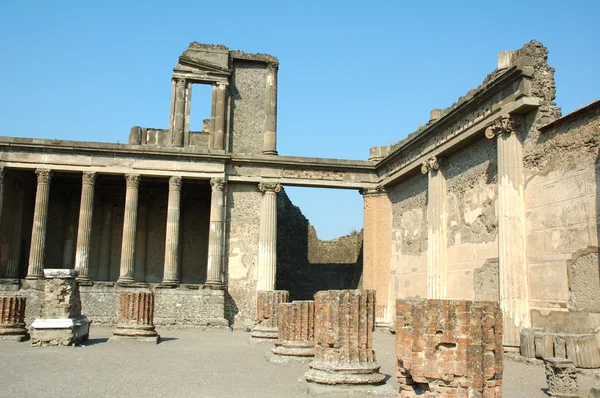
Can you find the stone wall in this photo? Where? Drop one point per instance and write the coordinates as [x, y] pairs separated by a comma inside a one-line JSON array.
[[306, 264]]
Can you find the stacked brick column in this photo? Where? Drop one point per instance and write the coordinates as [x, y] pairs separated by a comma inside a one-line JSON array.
[[136, 318], [344, 324], [266, 313], [296, 329], [449, 348], [12, 318]]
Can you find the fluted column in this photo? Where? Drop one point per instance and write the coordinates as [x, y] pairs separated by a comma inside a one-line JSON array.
[[178, 113], [136, 318], [171, 271], [220, 105], [84, 229], [129, 228], [12, 318], [142, 242], [40, 219], [437, 269], [267, 240], [514, 296], [105, 240], [14, 254], [215, 234], [270, 128]]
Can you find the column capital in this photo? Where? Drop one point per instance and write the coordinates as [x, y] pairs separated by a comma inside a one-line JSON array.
[[272, 67], [43, 175], [265, 187], [175, 183], [222, 86], [366, 192], [433, 163], [88, 178], [133, 180], [217, 184], [180, 81], [502, 125]]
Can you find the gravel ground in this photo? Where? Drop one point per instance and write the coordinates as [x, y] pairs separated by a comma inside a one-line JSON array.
[[190, 363]]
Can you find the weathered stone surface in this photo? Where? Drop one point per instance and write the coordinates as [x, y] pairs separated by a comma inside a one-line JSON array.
[[12, 317], [528, 342], [561, 376], [266, 313], [581, 349], [344, 325], [62, 322], [449, 348], [136, 316], [295, 324]]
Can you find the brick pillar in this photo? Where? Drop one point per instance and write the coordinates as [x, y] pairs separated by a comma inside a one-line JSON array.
[[266, 313], [40, 219], [84, 230], [171, 271], [295, 324], [267, 240], [136, 318], [129, 229], [344, 324], [215, 234], [561, 376], [12, 318], [449, 347]]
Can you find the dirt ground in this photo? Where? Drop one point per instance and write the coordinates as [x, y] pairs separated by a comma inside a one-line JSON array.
[[191, 363]]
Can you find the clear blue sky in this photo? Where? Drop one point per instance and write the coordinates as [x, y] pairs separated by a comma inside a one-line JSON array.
[[353, 74]]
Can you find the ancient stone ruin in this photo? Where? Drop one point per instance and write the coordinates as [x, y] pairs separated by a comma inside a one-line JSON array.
[[62, 322], [12, 318], [136, 318], [561, 376], [267, 303], [449, 348], [344, 326], [296, 330]]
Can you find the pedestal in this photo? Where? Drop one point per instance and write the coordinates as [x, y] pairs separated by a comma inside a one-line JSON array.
[[62, 322]]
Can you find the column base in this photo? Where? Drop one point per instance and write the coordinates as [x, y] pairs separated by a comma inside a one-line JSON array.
[[344, 373], [169, 283], [135, 339], [34, 277], [294, 348], [216, 285], [84, 281], [270, 152], [125, 279], [263, 332]]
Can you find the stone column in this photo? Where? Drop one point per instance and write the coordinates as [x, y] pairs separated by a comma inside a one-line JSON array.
[[344, 325], [437, 269], [2, 174], [561, 376], [171, 271], [296, 330], [514, 295], [178, 113], [142, 242], [12, 318], [266, 313], [377, 251], [267, 240], [270, 134], [188, 106], [136, 318], [105, 240], [40, 219], [84, 229], [129, 229], [215, 234], [220, 117], [14, 254]]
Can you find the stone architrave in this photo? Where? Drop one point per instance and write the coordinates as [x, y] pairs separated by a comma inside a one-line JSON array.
[[514, 293], [449, 348], [12, 318], [561, 376], [344, 325], [270, 129], [129, 229], [295, 324], [266, 313], [84, 230], [62, 322], [437, 268], [171, 270], [40, 219], [215, 234], [267, 240], [136, 318]]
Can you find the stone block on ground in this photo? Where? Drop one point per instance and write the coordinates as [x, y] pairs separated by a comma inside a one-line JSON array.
[[561, 376]]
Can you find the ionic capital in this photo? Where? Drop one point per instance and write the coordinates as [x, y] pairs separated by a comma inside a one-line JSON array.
[[133, 180], [222, 86], [265, 187], [88, 178], [43, 176], [175, 183], [502, 125], [179, 81], [366, 192], [217, 184], [430, 164]]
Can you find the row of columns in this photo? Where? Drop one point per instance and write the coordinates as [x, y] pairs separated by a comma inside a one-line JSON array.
[[128, 248]]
